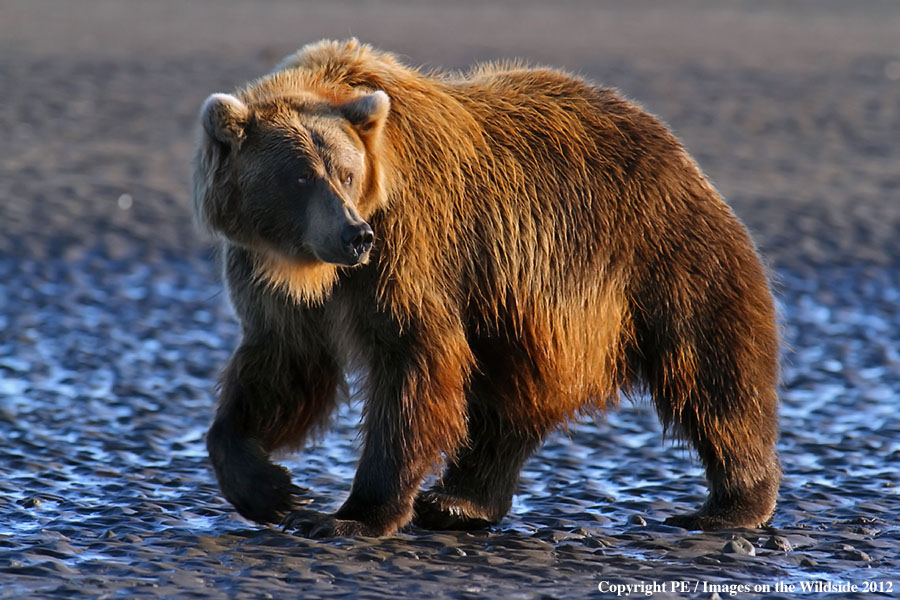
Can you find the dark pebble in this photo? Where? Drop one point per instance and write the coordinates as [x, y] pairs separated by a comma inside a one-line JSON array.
[[852, 554]]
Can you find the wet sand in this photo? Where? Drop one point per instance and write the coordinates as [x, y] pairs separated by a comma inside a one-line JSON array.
[[113, 323]]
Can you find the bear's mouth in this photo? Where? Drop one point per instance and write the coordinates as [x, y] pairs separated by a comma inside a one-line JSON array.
[[345, 259], [304, 255]]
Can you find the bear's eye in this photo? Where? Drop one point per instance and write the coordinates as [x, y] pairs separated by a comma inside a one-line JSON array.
[[348, 179], [303, 180]]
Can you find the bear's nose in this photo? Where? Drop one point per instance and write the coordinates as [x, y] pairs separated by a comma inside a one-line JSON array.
[[358, 239]]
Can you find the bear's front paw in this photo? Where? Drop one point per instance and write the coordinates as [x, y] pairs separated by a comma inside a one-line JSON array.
[[263, 495], [441, 511], [316, 525]]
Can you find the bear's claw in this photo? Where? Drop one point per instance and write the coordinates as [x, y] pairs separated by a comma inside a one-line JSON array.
[[315, 525], [441, 511]]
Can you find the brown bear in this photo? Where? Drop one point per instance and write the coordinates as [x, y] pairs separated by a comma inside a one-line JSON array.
[[497, 253]]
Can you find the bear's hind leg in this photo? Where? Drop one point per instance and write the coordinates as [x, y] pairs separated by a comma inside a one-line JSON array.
[[713, 380]]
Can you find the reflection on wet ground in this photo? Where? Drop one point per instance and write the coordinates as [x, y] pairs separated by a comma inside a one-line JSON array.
[[105, 404]]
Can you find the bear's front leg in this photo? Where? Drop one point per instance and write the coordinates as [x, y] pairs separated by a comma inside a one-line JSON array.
[[414, 415], [271, 397]]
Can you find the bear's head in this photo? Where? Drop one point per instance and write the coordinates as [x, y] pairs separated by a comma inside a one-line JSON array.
[[294, 176]]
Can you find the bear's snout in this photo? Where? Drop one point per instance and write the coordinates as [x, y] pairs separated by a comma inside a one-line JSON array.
[[357, 240]]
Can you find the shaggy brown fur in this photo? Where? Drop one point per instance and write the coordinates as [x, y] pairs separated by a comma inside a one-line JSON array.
[[541, 245]]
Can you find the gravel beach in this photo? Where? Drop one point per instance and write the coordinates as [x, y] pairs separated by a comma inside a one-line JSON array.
[[114, 324]]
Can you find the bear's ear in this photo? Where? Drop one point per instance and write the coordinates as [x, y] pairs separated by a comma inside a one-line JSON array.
[[225, 118], [367, 113]]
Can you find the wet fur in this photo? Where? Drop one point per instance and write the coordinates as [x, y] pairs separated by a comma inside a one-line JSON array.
[[542, 245]]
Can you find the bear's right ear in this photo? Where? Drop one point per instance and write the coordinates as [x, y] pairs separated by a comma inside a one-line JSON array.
[[368, 112], [225, 119]]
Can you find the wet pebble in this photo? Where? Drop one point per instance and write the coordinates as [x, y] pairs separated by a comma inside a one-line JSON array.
[[808, 562], [777, 542], [555, 535], [851, 553], [30, 502], [739, 545]]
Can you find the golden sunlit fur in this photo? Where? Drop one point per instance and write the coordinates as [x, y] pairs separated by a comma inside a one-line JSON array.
[[305, 283], [541, 244]]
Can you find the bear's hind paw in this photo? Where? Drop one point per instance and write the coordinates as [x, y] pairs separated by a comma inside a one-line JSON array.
[[700, 521], [441, 511]]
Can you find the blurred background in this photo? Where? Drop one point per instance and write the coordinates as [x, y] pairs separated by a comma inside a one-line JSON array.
[[791, 107], [113, 324]]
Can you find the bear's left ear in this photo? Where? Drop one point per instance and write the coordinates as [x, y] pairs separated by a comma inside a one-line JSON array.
[[367, 113]]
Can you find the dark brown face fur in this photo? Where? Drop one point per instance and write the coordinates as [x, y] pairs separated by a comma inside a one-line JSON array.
[[290, 178], [299, 180]]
